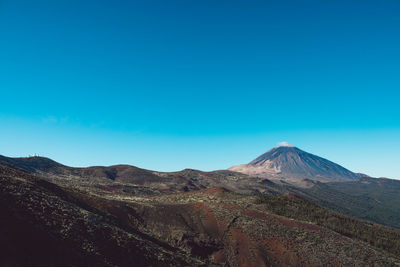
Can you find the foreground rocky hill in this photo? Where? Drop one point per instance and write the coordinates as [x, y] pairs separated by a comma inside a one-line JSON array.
[[47, 224]]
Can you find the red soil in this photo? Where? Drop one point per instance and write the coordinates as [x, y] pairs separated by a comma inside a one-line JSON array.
[[211, 226], [289, 223], [246, 252], [279, 252], [219, 257]]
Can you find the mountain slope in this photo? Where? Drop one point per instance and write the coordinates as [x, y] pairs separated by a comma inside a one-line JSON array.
[[293, 164], [373, 199], [297, 208]]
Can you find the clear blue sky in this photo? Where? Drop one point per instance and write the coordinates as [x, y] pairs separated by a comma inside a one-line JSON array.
[[204, 84]]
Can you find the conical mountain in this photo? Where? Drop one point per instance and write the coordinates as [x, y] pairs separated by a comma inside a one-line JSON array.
[[292, 163]]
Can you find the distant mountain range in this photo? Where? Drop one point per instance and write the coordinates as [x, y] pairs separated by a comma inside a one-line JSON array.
[[280, 163], [293, 164]]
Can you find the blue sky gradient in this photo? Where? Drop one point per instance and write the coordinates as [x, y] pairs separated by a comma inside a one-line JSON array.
[[168, 85]]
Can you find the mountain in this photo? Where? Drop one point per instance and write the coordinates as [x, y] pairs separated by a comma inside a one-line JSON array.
[[293, 164]]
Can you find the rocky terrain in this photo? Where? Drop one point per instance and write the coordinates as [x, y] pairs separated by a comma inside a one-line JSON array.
[[47, 224], [43, 224], [55, 215]]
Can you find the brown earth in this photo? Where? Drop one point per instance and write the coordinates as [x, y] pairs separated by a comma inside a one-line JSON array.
[[71, 223]]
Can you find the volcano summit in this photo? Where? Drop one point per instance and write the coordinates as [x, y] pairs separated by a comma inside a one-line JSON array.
[[293, 164]]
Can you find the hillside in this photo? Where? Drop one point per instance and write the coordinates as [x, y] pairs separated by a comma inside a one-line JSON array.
[[373, 199], [295, 207], [376, 200], [201, 228], [45, 225]]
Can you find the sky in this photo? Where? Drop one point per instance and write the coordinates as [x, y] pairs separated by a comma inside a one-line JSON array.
[[168, 85]]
